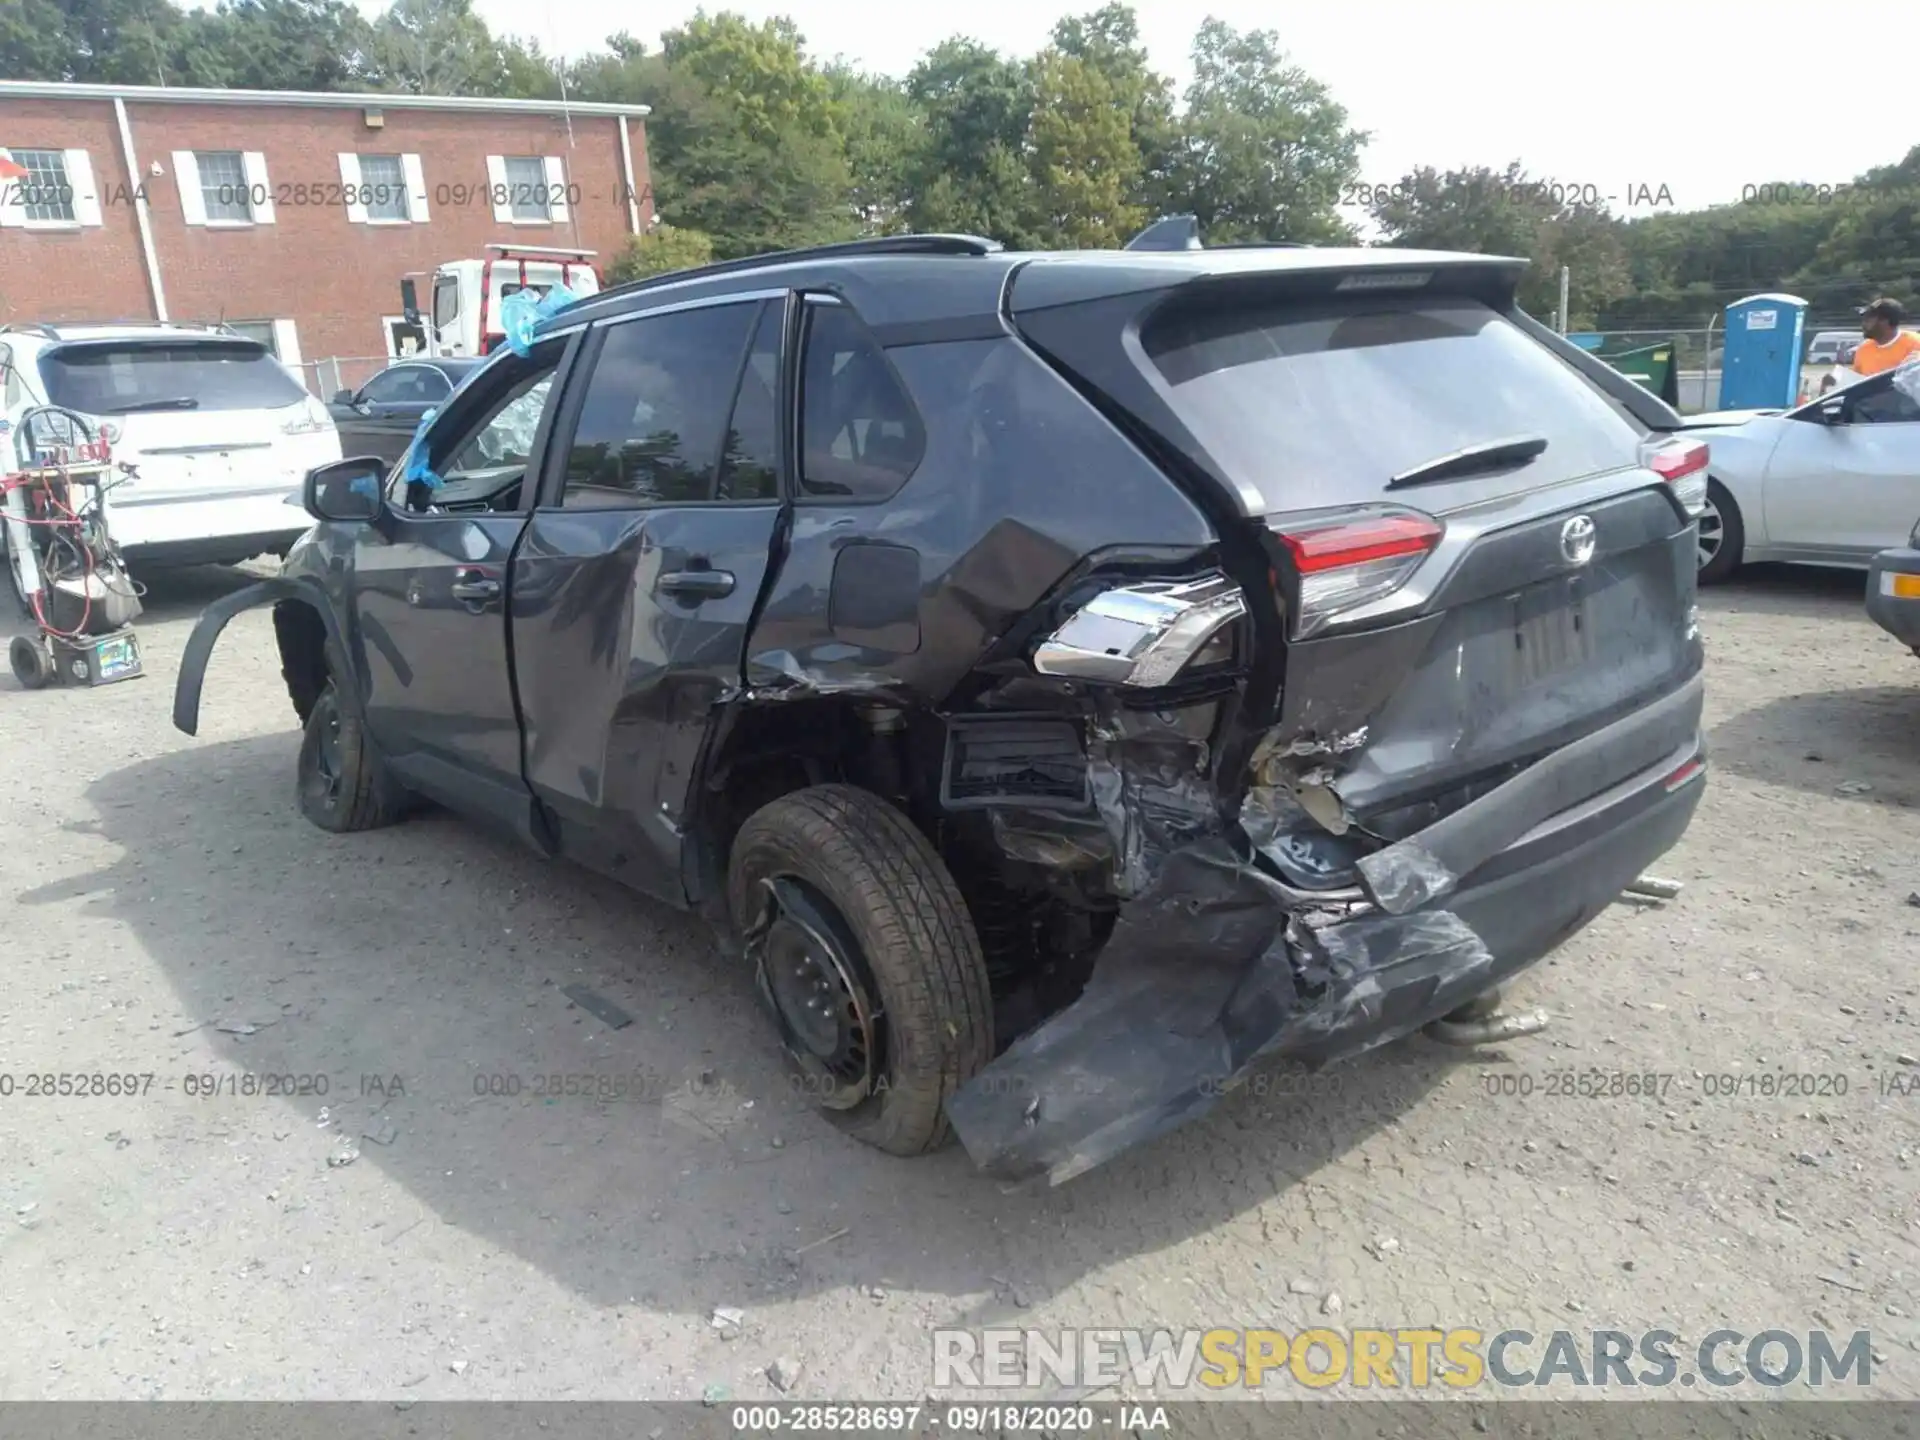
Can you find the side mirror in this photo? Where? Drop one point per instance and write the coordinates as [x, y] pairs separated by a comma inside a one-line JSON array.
[[409, 302], [1834, 411], [347, 491], [343, 397]]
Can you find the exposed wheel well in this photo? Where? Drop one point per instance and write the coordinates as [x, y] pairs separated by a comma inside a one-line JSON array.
[[1039, 936], [302, 636]]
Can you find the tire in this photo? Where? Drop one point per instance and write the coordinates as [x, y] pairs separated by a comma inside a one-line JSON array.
[[1725, 558], [342, 785], [886, 892], [30, 663]]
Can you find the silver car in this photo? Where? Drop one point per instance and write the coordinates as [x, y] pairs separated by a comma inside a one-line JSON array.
[[1830, 482]]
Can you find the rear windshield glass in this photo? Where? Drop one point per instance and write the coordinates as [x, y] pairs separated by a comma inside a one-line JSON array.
[[119, 379], [1322, 404]]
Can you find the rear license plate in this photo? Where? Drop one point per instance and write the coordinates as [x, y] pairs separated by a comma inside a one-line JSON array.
[[1550, 633]]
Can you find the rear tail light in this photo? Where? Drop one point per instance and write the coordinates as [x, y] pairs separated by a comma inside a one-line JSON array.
[[1144, 635], [1683, 465], [1344, 564]]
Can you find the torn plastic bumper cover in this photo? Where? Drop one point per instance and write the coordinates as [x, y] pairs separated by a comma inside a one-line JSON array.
[[1214, 963], [1204, 973]]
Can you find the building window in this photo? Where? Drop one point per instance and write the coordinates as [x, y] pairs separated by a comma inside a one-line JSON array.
[[258, 330], [527, 187], [223, 186], [383, 187], [46, 192]]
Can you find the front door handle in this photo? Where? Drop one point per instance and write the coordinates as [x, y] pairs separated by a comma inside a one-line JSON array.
[[694, 586], [474, 587]]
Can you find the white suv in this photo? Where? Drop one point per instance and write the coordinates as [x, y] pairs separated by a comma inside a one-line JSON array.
[[219, 434]]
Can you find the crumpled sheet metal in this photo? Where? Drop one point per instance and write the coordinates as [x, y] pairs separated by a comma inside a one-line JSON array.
[[1206, 972], [1405, 876]]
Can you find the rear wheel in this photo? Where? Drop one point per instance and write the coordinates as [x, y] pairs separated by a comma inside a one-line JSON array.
[[342, 785], [868, 959], [1722, 536]]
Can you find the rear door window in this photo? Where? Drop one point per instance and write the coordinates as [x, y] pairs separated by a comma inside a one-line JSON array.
[[860, 436], [1322, 404], [117, 378]]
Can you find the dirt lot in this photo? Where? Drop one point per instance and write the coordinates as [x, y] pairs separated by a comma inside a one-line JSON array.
[[169, 914]]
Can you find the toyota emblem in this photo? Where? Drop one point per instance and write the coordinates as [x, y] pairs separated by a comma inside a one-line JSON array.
[[1577, 539]]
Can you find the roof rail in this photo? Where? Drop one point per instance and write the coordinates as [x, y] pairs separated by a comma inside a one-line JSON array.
[[15, 327], [871, 245]]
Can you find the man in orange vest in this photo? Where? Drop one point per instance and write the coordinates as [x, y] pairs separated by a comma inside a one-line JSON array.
[[1886, 345]]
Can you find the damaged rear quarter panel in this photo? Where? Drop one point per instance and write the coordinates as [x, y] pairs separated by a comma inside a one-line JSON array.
[[1006, 437]]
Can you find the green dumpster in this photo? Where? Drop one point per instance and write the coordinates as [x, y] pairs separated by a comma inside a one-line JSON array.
[[1650, 366]]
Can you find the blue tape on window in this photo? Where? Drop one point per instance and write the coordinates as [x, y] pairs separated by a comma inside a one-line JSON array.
[[418, 472], [524, 311]]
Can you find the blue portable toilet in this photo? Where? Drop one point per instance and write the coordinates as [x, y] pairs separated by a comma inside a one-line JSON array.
[[1760, 365]]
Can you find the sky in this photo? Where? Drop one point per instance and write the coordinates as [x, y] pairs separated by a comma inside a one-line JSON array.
[[1618, 101]]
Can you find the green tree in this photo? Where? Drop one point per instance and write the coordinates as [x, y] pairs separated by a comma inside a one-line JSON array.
[[1508, 212], [971, 172], [118, 42], [436, 47], [1263, 150], [281, 45], [1084, 161], [759, 72], [1108, 40], [883, 138], [661, 249], [743, 142]]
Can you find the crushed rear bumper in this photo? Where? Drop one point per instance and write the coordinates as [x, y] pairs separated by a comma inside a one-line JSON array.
[[1217, 964]]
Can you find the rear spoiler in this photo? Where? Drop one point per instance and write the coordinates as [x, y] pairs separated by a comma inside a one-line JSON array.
[[1645, 406]]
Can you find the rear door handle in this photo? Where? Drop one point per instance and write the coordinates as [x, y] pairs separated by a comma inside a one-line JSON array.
[[697, 585], [474, 587]]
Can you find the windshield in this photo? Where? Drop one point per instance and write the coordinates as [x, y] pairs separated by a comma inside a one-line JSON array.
[[124, 377], [1324, 404]]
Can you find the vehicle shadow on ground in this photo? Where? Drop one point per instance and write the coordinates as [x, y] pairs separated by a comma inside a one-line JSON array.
[[183, 593], [1789, 590], [435, 955], [1856, 744]]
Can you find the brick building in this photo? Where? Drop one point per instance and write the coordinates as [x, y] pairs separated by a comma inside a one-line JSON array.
[[288, 215]]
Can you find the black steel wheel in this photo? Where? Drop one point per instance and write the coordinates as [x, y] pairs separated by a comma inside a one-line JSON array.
[[342, 785], [866, 957]]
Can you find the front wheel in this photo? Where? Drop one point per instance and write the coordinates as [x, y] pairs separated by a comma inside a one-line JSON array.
[[1722, 536], [342, 784], [867, 958]]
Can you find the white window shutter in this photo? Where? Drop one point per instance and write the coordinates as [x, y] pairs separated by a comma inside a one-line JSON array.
[[186, 174], [497, 188], [350, 182], [259, 188], [13, 204], [86, 197], [556, 188], [416, 188], [286, 343]]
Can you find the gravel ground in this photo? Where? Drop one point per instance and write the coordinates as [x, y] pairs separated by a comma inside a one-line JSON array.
[[402, 1236]]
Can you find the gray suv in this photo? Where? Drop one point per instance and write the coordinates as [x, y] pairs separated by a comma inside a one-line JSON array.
[[1067, 677]]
